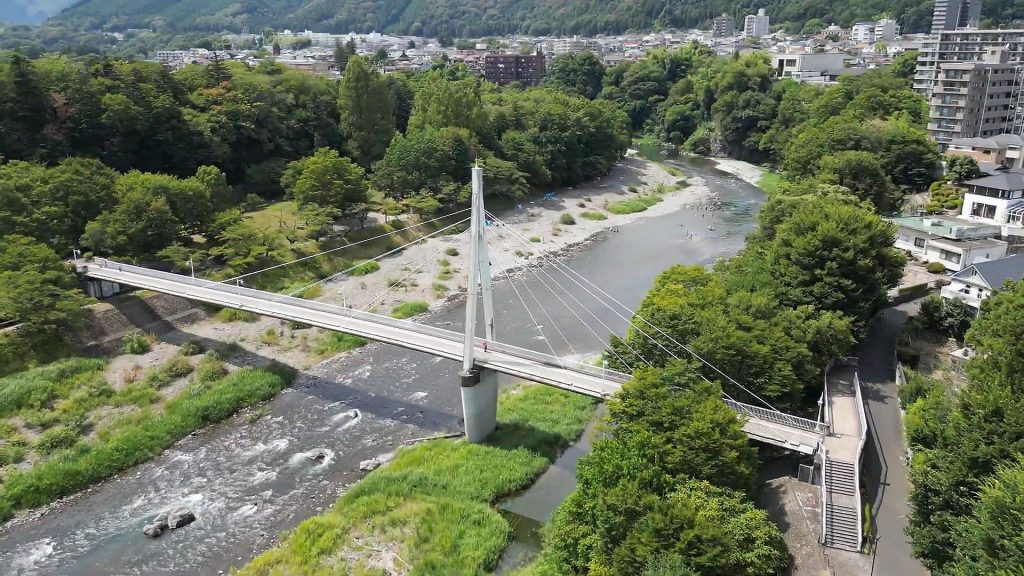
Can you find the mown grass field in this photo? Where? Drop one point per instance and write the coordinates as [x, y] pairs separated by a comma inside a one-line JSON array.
[[432, 506], [79, 430]]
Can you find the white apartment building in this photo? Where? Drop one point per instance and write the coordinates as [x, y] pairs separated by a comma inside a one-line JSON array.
[[756, 25], [997, 200], [886, 30], [954, 242], [809, 66], [863, 33]]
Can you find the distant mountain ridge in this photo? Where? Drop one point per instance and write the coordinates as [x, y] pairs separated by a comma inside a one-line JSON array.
[[475, 18], [30, 11]]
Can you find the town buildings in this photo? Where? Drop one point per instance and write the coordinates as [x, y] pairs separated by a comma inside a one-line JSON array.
[[956, 243], [886, 30], [1000, 151], [863, 33], [975, 283], [756, 25], [723, 26], [813, 67], [528, 69]]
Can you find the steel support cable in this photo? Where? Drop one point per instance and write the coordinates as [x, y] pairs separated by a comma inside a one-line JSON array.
[[391, 286], [571, 309], [542, 309], [375, 258], [318, 254], [533, 319], [567, 271]]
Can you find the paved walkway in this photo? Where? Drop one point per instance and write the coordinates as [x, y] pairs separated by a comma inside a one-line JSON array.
[[884, 470], [843, 442]]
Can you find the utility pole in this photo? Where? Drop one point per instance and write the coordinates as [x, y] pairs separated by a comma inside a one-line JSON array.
[[479, 386]]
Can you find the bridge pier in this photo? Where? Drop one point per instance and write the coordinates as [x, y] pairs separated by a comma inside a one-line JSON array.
[[479, 403]]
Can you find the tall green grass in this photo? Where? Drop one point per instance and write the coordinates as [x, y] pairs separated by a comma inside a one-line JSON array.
[[589, 215], [233, 315], [409, 309], [39, 387], [76, 468], [432, 505], [769, 182], [332, 343], [633, 205]]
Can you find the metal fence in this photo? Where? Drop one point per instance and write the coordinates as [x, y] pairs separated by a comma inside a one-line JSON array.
[[776, 417]]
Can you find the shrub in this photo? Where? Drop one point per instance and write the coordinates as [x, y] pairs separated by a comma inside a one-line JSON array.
[[453, 251], [535, 239], [633, 189], [409, 309], [440, 289], [270, 337], [56, 438], [337, 342], [136, 343], [581, 204], [311, 293], [593, 216], [232, 315], [210, 368], [190, 348], [634, 205], [177, 367], [444, 262], [10, 455], [365, 267], [567, 219], [935, 267], [444, 274], [917, 386]]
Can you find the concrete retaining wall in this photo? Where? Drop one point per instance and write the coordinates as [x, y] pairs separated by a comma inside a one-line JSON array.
[[108, 321]]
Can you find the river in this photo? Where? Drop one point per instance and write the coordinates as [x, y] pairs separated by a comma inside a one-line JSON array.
[[247, 482]]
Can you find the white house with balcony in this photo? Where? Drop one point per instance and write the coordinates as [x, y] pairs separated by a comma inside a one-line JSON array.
[[954, 242], [976, 282], [997, 200]]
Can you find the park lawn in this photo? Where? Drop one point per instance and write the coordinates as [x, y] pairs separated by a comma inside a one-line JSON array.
[[80, 431], [769, 182], [432, 506]]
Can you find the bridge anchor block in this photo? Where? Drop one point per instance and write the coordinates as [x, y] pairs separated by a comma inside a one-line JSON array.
[[479, 403]]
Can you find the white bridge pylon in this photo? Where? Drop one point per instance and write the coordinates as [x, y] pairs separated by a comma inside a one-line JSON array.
[[479, 385]]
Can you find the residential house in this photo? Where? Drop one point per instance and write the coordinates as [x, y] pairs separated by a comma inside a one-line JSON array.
[[954, 242], [976, 282], [999, 151], [997, 200]]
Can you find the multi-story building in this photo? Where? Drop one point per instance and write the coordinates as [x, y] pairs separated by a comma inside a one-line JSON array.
[[886, 30], [821, 67], [963, 46], [529, 69], [723, 26], [955, 14], [863, 32], [954, 242], [997, 200], [756, 25], [974, 99]]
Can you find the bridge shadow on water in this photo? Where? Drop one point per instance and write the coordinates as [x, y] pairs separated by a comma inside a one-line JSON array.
[[437, 416]]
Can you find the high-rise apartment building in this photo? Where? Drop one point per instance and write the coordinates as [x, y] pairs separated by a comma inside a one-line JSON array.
[[963, 46], [756, 25], [974, 99], [955, 14], [723, 26]]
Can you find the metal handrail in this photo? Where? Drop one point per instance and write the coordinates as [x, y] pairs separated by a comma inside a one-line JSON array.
[[824, 495], [425, 329], [776, 417], [860, 452]]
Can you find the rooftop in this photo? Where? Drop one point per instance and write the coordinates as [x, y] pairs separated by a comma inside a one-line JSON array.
[[998, 141], [1012, 179], [995, 273], [945, 227]]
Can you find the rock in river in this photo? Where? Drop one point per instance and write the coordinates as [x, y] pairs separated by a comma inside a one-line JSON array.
[[180, 517], [152, 531]]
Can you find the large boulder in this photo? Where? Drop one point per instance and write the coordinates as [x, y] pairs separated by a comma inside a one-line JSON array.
[[161, 521], [180, 517]]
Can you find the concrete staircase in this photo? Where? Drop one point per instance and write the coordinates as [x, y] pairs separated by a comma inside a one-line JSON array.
[[842, 518]]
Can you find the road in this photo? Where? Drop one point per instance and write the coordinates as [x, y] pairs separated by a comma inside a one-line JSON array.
[[884, 469]]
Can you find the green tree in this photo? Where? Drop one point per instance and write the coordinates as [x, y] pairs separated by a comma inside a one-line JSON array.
[[991, 541], [443, 103], [36, 287], [366, 115], [423, 160], [327, 180], [962, 168], [862, 174], [578, 74]]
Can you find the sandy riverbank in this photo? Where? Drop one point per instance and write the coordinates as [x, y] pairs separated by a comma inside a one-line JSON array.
[[743, 170], [420, 267]]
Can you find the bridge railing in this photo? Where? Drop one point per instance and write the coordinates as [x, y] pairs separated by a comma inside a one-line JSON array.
[[775, 417], [425, 329]]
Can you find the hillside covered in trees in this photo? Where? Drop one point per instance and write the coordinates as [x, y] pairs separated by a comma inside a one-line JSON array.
[[474, 18]]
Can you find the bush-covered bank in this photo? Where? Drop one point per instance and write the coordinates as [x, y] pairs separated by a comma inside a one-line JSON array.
[[432, 505], [643, 502], [87, 462]]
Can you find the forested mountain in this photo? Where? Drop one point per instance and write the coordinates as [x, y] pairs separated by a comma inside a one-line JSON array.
[[474, 18], [30, 11]]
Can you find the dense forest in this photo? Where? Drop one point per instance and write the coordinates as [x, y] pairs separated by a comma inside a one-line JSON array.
[[475, 18]]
